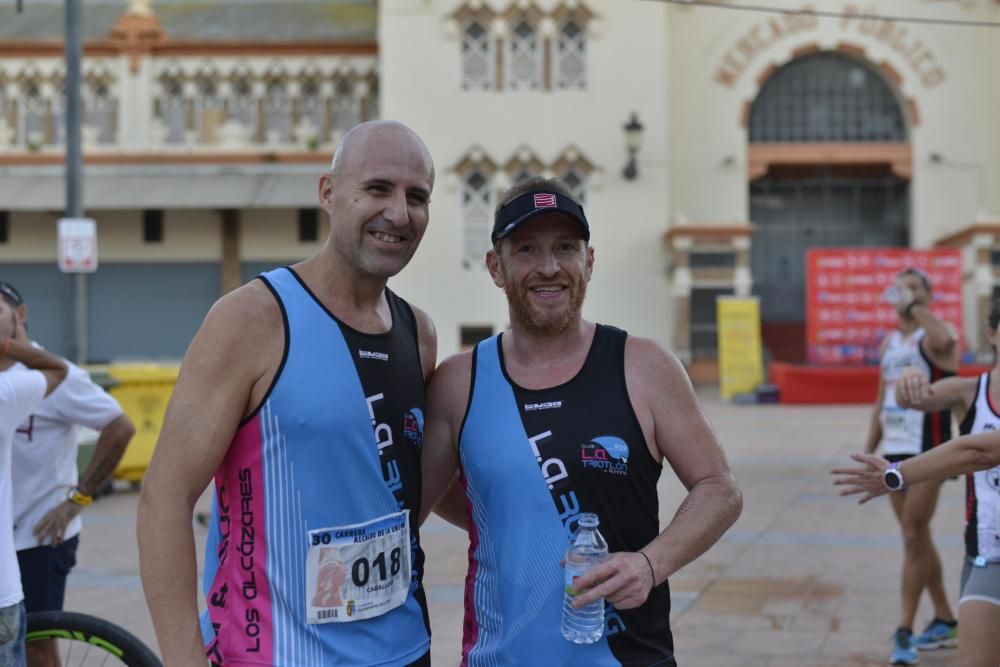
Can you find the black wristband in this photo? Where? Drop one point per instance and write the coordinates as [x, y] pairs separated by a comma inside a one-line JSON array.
[[650, 564]]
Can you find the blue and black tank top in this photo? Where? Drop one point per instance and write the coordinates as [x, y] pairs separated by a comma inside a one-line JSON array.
[[532, 460]]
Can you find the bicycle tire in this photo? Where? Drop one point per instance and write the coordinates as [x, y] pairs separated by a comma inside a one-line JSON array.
[[97, 639]]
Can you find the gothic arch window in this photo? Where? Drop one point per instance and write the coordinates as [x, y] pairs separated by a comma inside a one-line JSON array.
[[478, 198], [57, 109], [525, 52], [209, 106], [32, 112], [100, 105], [172, 107], [277, 111], [575, 171], [827, 97], [312, 108], [346, 111], [243, 107], [569, 61], [478, 52]]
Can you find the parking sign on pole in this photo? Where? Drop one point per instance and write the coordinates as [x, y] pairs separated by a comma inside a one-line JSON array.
[[77, 245]]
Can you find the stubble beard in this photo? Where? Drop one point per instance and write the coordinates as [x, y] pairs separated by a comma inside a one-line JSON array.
[[540, 323], [370, 262]]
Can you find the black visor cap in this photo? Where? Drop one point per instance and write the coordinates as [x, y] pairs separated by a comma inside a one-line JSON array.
[[533, 204]]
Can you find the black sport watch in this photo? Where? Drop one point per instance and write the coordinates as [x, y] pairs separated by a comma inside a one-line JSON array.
[[893, 478]]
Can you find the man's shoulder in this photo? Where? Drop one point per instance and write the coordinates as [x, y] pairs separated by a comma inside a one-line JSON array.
[[456, 368], [645, 349], [246, 310], [652, 362], [453, 376]]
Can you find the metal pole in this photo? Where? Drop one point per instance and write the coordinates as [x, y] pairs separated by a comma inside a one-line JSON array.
[[74, 168]]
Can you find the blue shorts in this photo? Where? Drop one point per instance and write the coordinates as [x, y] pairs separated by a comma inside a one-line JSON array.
[[13, 627], [43, 574]]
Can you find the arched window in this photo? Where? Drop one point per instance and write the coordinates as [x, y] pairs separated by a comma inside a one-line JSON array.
[[478, 56], [312, 108], [575, 171], [243, 103], [277, 113], [58, 110], [33, 109], [525, 54], [101, 110], [345, 105], [209, 107], [826, 98], [577, 182], [571, 55], [173, 107], [477, 216]]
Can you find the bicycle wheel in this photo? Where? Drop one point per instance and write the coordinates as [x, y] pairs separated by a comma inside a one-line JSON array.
[[88, 641]]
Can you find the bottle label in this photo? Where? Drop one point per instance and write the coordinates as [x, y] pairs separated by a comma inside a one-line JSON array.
[[574, 572]]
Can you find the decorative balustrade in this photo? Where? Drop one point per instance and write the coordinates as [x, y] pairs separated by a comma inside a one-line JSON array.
[[189, 104]]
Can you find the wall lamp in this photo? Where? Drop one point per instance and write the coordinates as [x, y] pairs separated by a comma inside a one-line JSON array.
[[633, 137]]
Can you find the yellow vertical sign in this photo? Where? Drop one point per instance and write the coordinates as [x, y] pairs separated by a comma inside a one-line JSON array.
[[741, 366]]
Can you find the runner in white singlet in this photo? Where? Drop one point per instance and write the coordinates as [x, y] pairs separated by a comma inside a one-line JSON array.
[[974, 401], [924, 345]]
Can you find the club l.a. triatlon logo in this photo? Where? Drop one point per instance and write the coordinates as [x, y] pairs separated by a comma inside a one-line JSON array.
[[607, 453]]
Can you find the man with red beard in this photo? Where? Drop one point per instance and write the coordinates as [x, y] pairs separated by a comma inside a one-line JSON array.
[[557, 417]]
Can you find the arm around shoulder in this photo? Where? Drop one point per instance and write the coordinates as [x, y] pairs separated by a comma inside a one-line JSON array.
[[447, 401]]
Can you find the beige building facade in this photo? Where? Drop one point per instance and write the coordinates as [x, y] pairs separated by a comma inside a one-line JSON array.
[[763, 134]]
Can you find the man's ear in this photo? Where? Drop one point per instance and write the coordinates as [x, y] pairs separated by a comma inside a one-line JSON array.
[[22, 313], [495, 268], [326, 191]]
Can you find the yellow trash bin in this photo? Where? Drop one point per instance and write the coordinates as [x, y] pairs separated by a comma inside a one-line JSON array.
[[143, 391]]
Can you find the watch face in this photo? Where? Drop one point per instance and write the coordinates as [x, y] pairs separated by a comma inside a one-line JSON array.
[[893, 479]]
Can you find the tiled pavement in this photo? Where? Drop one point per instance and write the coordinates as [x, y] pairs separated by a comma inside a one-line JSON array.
[[804, 579]]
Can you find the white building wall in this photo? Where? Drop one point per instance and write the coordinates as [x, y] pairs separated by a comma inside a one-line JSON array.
[[941, 70], [626, 71], [273, 235]]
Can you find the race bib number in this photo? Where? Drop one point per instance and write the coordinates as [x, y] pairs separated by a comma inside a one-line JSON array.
[[895, 424], [902, 427], [358, 571]]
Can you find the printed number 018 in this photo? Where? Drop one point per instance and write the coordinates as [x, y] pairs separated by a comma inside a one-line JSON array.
[[361, 570]]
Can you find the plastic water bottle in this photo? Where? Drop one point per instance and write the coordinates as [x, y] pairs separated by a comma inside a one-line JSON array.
[[586, 549]]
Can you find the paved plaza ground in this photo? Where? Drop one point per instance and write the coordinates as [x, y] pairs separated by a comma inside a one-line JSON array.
[[804, 579]]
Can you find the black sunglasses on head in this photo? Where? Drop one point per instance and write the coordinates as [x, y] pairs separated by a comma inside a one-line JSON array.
[[12, 294]]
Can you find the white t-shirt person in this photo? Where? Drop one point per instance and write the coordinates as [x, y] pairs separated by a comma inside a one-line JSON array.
[[21, 393], [45, 448]]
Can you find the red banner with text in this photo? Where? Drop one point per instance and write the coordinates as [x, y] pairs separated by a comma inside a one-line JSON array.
[[847, 315]]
